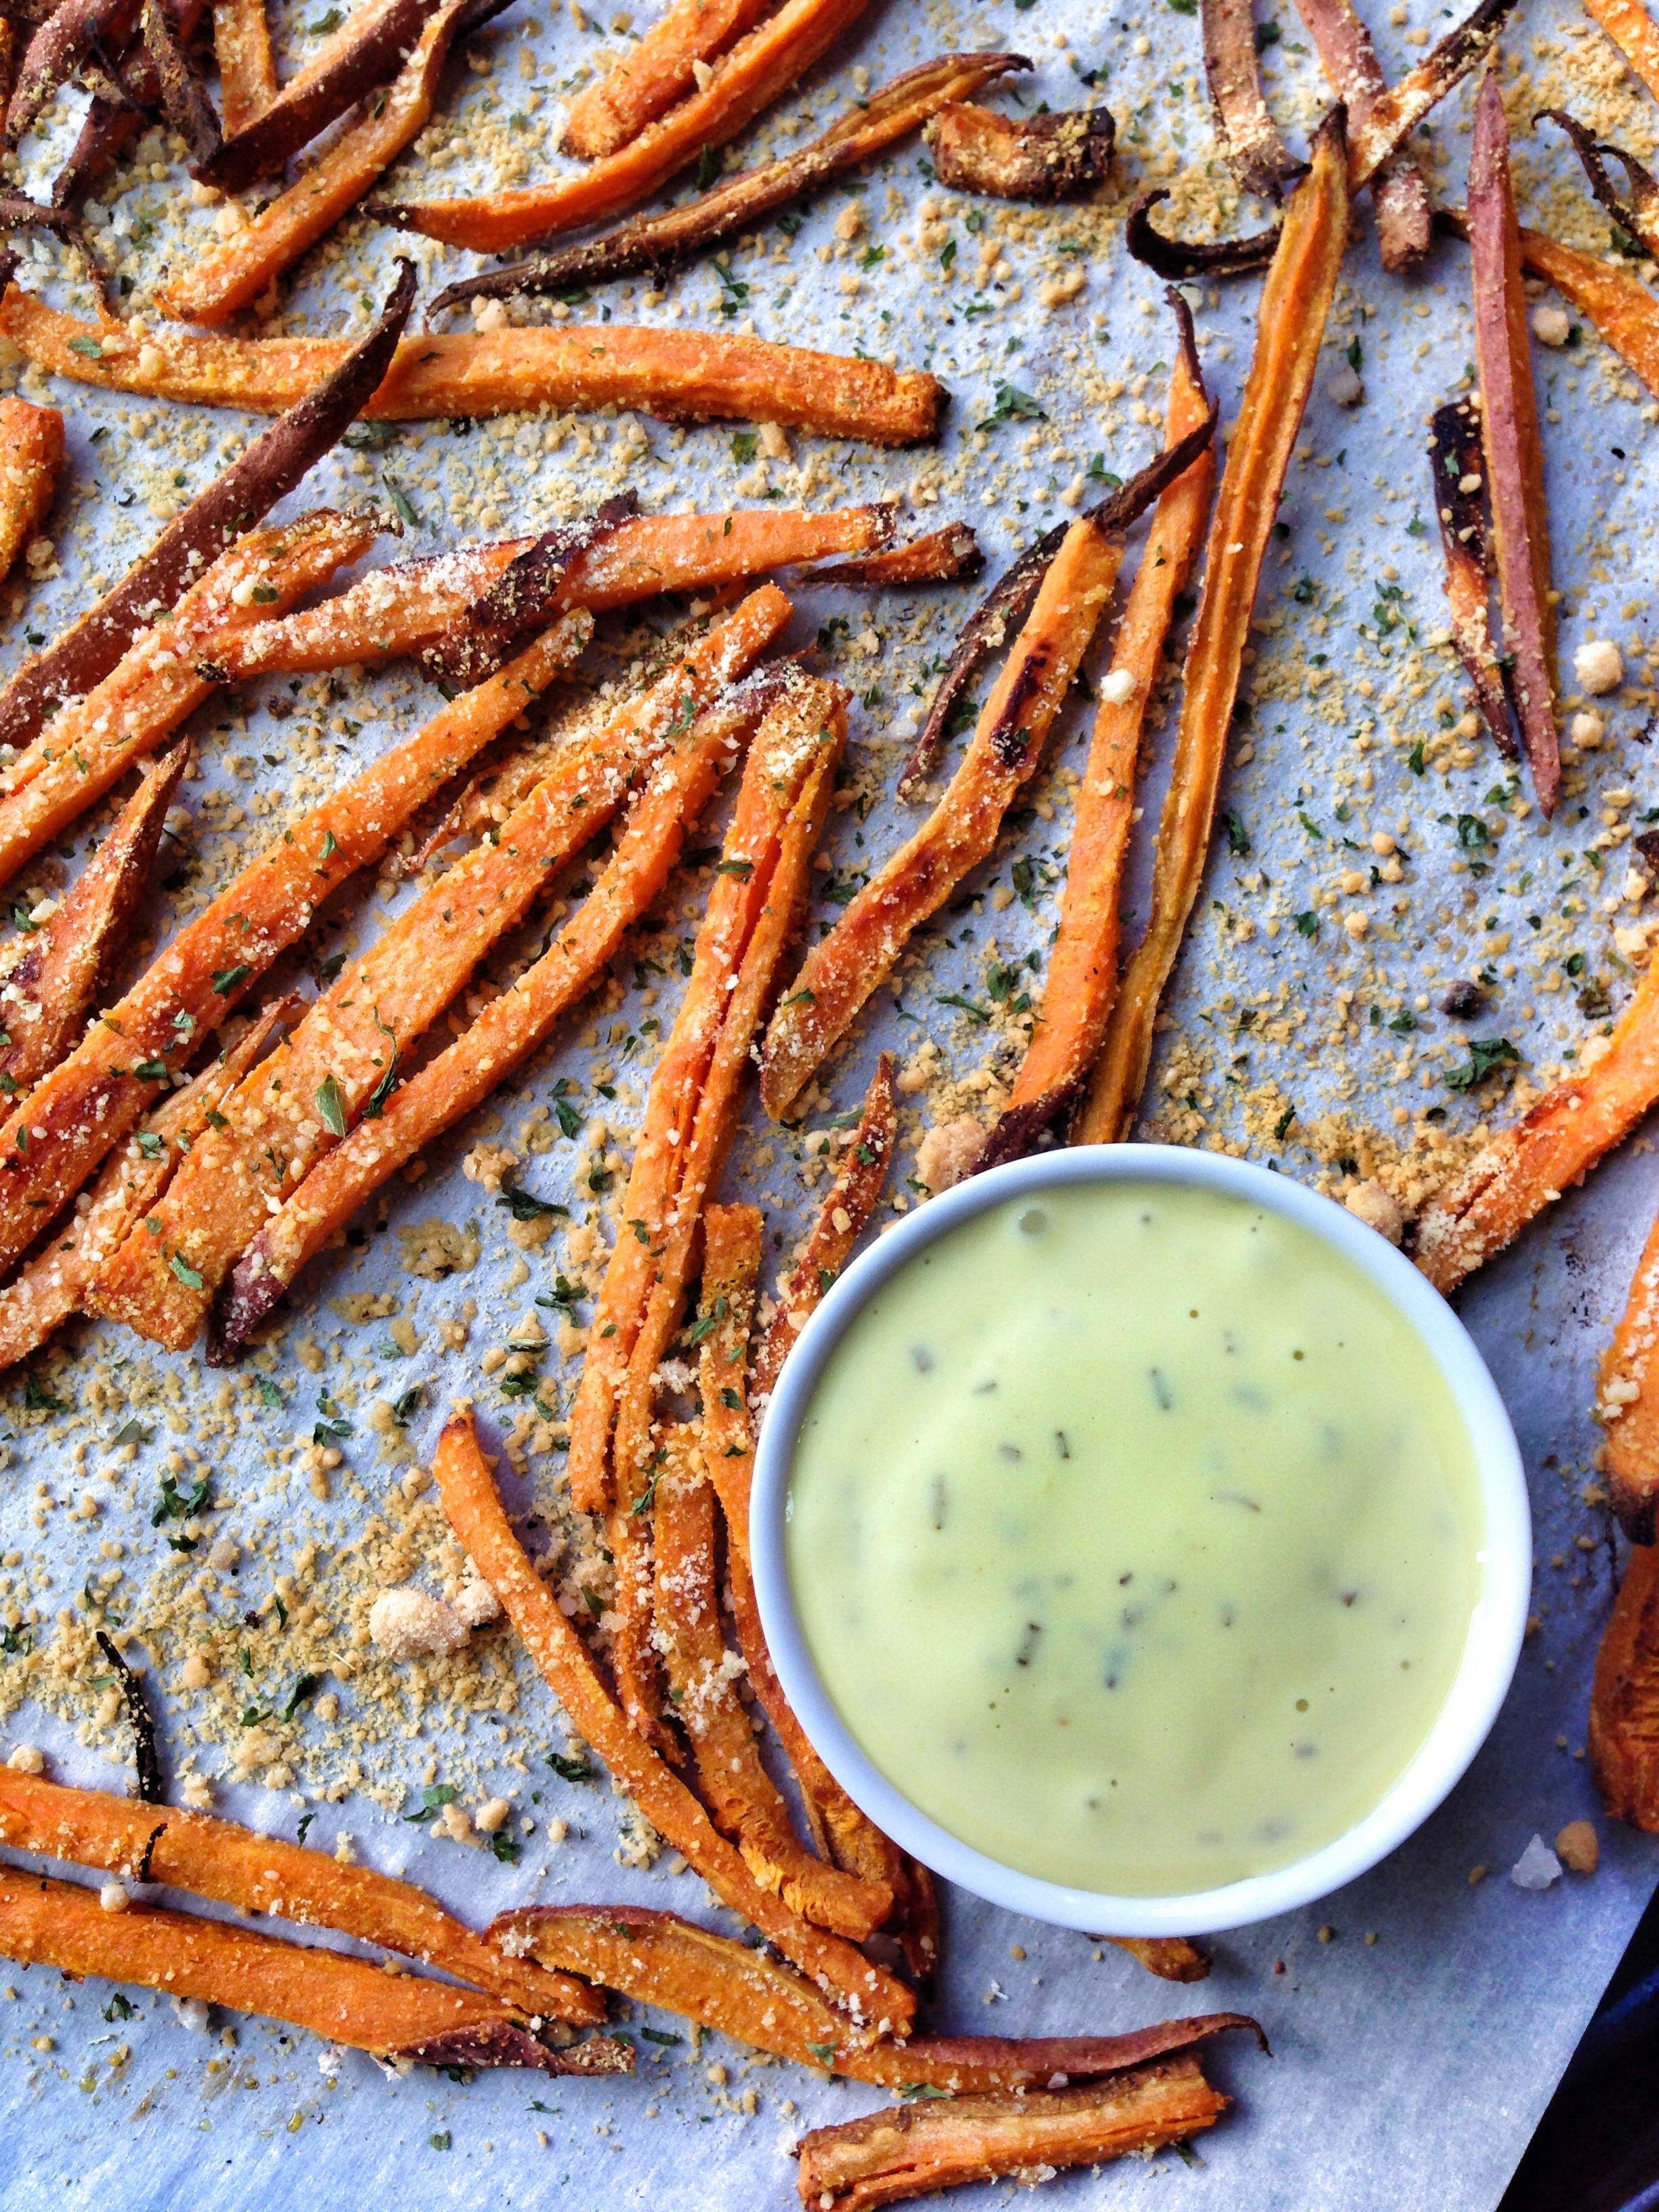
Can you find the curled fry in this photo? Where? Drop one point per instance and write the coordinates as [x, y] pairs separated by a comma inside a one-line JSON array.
[[1177, 261], [1637, 216]]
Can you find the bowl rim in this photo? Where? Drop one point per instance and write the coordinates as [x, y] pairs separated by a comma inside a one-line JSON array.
[[1497, 1627]]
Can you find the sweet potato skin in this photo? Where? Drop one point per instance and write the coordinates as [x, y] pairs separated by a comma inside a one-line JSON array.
[[1038, 157]]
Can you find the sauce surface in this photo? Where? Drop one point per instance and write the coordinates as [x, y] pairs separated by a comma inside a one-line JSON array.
[[1134, 1537]]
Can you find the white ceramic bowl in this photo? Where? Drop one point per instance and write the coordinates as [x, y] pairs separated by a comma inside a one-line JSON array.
[[1494, 1641]]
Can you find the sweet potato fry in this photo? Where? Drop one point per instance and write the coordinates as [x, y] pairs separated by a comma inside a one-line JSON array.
[[319, 408], [50, 1287], [1556, 1143], [1514, 450], [680, 376], [525, 593], [1247, 137], [1620, 305], [1633, 31], [1625, 1404], [1082, 984], [213, 289], [56, 53], [1456, 458], [1399, 191], [248, 73], [89, 744], [1637, 215], [840, 973], [1171, 1958], [938, 558], [758, 70], [262, 1874], [917, 2149], [742, 202], [1290, 327], [1376, 138], [49, 993], [398, 611], [180, 94], [1177, 261], [1624, 1715], [656, 74], [343, 2000], [31, 457], [1033, 157], [513, 1025], [878, 2004]]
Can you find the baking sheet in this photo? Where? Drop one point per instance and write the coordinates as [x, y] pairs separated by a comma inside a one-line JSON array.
[[1408, 2070]]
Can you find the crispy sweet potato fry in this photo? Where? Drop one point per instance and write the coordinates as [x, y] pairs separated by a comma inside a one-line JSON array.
[[343, 2000], [90, 743], [748, 78], [1633, 31], [938, 558], [262, 1874], [1290, 327], [1514, 450], [1637, 216], [1399, 191], [57, 51], [654, 74], [1177, 261], [1625, 1404], [1456, 458], [840, 973], [877, 2003], [1620, 305], [1171, 1958], [400, 610], [1082, 982], [1033, 157], [1624, 1714], [213, 289], [513, 1025], [917, 2149], [525, 593], [1394, 115], [242, 496], [50, 1287], [1555, 1143], [49, 993], [680, 376], [31, 457], [1247, 137], [741, 203], [248, 73], [180, 94]]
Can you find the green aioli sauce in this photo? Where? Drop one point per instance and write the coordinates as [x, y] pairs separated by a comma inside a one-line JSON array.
[[1135, 1537]]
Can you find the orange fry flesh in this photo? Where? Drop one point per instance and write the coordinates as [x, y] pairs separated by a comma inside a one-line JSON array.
[[878, 2002], [654, 74], [31, 458], [247, 74], [1627, 1403], [1633, 31], [1620, 305], [840, 973], [1295, 300], [679, 375], [758, 70], [1624, 1715]]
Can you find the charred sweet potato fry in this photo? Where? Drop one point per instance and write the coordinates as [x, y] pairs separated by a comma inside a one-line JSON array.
[[1636, 211], [1624, 1715], [31, 457], [1290, 328], [1032, 157], [320, 407], [680, 376], [56, 52], [1513, 448], [1082, 984], [1247, 137], [741, 203], [1399, 191], [1456, 458], [654, 74], [247, 74], [1633, 31], [1627, 1404], [915, 2150], [262, 1874], [876, 2004], [1377, 137], [1177, 261], [525, 593], [179, 91], [512, 1026], [343, 2000], [49, 993], [938, 558]]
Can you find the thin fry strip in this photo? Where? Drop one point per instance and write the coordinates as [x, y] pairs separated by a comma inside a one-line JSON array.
[[321, 406], [675, 375], [1625, 1403], [262, 1874], [398, 611], [1620, 305], [1399, 191], [50, 1287], [747, 79], [90, 743], [1394, 115], [1514, 450], [88, 1104], [841, 1220], [343, 2000], [1290, 327], [1082, 984], [49, 993], [57, 51], [213, 289], [341, 1062], [841, 971], [1624, 1714], [520, 598], [1455, 458], [1171, 1958], [654, 74], [515, 1025], [1247, 137], [247, 74], [916, 2150], [1527, 1167], [180, 92], [938, 558], [31, 459], [1633, 31], [740, 202], [879, 2004]]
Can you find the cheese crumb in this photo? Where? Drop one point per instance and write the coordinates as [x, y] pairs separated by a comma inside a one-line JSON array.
[[1579, 1847], [1551, 327], [28, 1758], [409, 1624], [1599, 665], [1377, 1208], [491, 1815], [113, 1896]]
